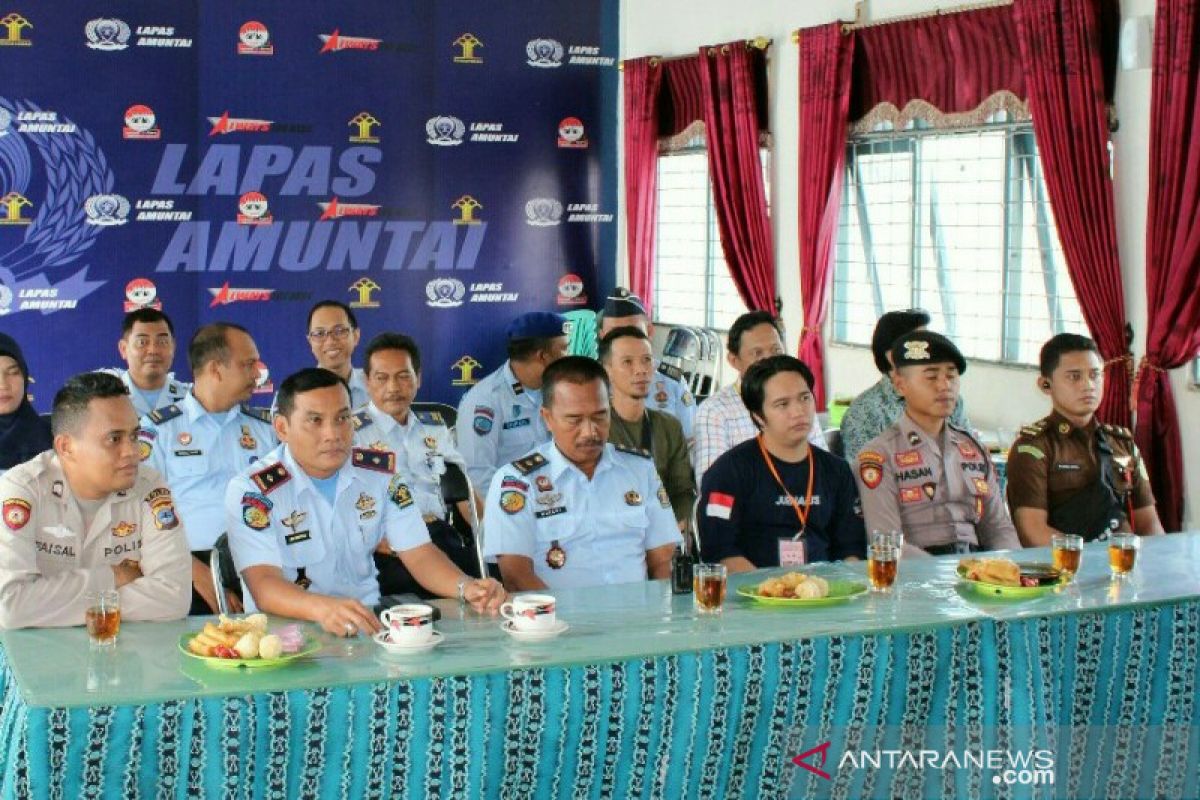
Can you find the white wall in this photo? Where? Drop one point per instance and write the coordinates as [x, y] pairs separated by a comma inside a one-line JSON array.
[[996, 396]]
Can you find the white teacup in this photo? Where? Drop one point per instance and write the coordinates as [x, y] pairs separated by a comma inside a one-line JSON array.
[[530, 612], [409, 624]]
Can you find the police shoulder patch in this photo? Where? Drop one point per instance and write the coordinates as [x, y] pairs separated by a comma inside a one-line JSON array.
[[160, 415], [530, 463], [671, 372], [375, 460], [362, 420], [260, 414], [271, 478], [430, 417], [633, 451], [399, 492]]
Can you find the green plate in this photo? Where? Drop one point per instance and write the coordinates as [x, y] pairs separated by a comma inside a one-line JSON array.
[[839, 592], [310, 646], [1017, 592]]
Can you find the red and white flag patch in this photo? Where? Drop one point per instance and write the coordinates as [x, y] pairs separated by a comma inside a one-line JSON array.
[[719, 505]]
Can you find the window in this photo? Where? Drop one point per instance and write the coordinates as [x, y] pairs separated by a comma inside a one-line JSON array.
[[692, 285], [957, 223]]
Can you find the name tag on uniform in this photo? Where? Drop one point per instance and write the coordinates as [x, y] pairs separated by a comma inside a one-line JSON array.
[[297, 537], [516, 423], [184, 453], [791, 552]]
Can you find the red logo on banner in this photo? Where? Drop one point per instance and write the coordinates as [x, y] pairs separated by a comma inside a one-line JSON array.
[[333, 42], [254, 40], [253, 209], [227, 124], [822, 750], [570, 291], [336, 209], [571, 133], [140, 123], [224, 296], [141, 293]]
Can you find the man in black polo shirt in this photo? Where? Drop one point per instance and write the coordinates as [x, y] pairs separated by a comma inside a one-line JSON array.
[[774, 500]]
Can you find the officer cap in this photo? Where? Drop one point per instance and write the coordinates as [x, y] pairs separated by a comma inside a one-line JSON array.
[[623, 303], [922, 348], [537, 325]]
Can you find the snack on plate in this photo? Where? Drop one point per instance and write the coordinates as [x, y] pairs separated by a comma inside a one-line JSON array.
[[794, 586], [234, 638], [1000, 571]]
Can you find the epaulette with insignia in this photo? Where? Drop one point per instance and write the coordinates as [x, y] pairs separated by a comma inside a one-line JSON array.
[[671, 372], [530, 463], [374, 460], [271, 478], [362, 420], [260, 414], [1035, 428], [430, 417], [633, 451], [160, 415], [1117, 430]]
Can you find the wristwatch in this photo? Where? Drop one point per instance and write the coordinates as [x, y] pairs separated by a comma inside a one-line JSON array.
[[462, 590]]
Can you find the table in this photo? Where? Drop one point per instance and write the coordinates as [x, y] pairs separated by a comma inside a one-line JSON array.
[[643, 699]]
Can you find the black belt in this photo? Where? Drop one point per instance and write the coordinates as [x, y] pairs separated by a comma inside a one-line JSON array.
[[957, 548]]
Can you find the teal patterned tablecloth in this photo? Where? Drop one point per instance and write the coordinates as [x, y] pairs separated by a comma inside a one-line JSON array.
[[932, 692]]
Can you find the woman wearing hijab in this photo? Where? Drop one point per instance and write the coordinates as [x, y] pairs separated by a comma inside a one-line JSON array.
[[23, 434]]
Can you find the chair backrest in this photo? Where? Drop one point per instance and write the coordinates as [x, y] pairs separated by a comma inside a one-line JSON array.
[[448, 413], [833, 438], [455, 486]]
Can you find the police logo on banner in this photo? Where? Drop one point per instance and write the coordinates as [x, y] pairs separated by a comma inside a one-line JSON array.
[[544, 53], [106, 210], [445, 131], [445, 293], [542, 212], [107, 34]]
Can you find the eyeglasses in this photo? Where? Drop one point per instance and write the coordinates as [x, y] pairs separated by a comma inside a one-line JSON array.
[[337, 332]]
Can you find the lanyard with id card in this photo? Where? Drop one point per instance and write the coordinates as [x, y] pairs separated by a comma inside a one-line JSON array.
[[792, 551]]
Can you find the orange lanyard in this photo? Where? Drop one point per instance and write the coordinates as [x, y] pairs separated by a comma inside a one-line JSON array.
[[802, 515]]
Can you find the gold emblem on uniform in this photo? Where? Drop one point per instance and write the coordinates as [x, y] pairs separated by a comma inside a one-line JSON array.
[[929, 489], [430, 443], [382, 446], [1064, 428], [916, 351], [365, 505], [123, 529], [247, 441], [556, 557], [185, 438], [632, 498]]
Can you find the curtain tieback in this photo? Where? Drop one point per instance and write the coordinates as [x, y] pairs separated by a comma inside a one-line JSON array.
[[1147, 363]]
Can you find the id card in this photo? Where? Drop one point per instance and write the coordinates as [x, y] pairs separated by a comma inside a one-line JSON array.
[[791, 552]]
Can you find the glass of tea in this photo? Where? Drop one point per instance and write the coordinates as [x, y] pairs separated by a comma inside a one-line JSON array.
[[1067, 551], [881, 567], [1122, 553], [104, 618], [708, 585]]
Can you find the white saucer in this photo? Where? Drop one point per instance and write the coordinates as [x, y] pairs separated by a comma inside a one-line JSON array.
[[534, 636], [397, 649]]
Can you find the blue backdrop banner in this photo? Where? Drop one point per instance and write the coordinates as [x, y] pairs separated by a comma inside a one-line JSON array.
[[423, 162]]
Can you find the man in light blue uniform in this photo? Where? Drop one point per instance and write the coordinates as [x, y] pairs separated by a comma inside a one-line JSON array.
[[422, 445], [577, 511], [304, 521], [147, 347], [499, 419], [333, 335], [201, 442], [667, 392]]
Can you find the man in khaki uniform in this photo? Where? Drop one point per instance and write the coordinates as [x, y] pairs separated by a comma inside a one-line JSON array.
[[627, 358], [1069, 473], [925, 476], [87, 517]]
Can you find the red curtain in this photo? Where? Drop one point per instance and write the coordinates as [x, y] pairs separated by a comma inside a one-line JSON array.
[[1064, 77], [739, 197], [826, 56], [643, 79], [952, 61], [1172, 248]]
